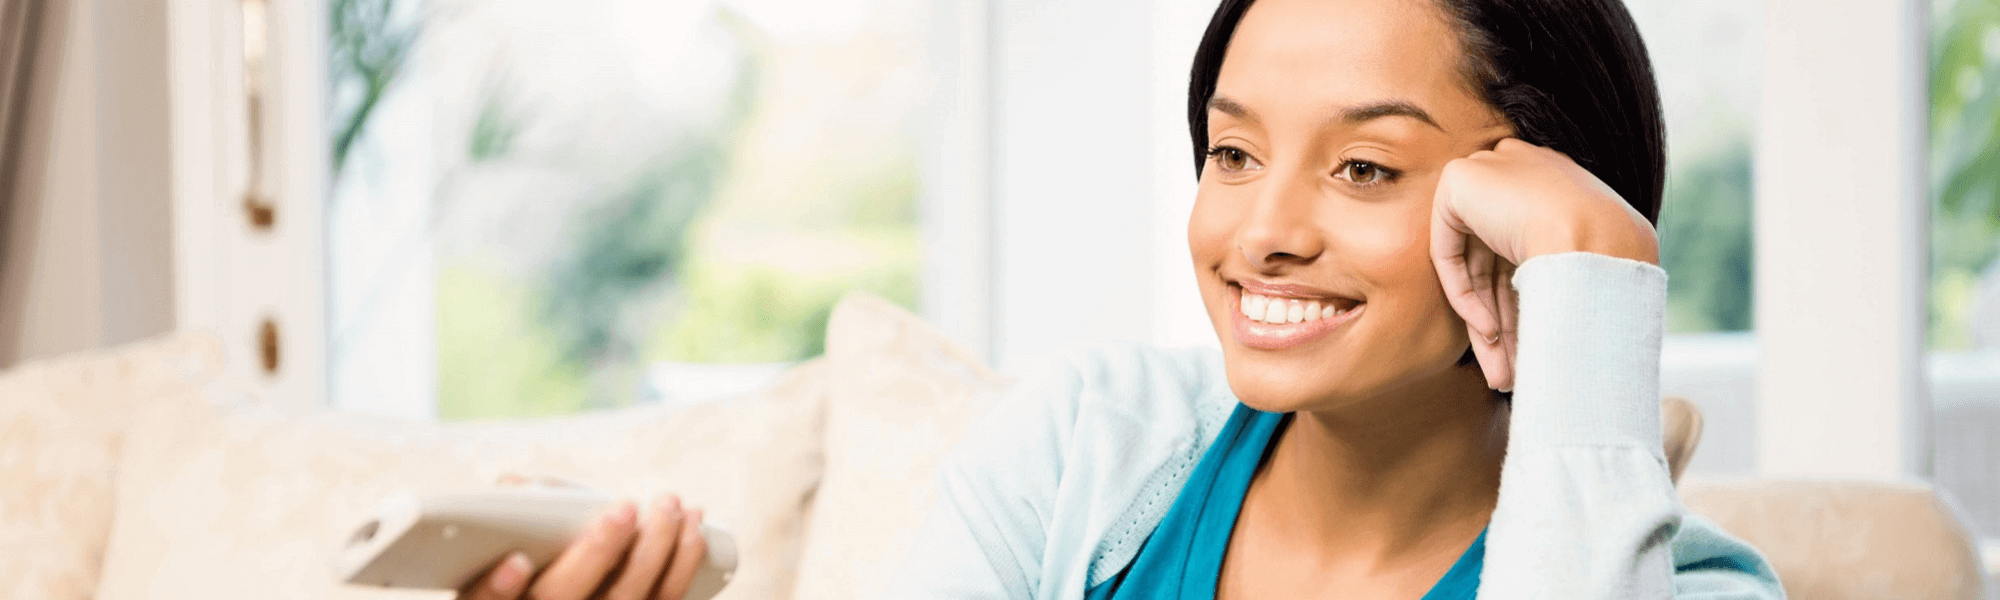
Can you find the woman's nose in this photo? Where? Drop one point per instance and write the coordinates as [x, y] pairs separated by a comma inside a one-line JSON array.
[[1280, 229]]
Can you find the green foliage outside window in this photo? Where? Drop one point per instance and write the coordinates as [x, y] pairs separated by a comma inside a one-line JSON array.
[[1965, 162], [1705, 240], [678, 261]]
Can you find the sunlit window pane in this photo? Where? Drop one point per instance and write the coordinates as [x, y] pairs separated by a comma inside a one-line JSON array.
[[1965, 234], [1704, 57], [545, 206]]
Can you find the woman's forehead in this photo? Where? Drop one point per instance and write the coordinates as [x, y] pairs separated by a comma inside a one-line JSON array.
[[1313, 59]]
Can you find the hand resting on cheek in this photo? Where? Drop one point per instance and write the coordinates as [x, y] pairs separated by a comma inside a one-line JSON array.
[[1498, 208]]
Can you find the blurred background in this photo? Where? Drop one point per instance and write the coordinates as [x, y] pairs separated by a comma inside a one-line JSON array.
[[467, 209]]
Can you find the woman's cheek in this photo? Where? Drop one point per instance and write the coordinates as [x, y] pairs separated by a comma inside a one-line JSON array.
[[1393, 255], [1385, 245], [1210, 233], [1210, 229]]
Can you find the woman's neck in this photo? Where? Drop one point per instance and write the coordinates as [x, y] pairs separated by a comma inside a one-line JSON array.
[[1398, 477]]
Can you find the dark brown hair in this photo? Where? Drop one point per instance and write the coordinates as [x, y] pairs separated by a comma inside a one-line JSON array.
[[1572, 75]]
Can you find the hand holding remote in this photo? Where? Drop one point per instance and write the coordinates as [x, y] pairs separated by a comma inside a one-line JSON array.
[[622, 555]]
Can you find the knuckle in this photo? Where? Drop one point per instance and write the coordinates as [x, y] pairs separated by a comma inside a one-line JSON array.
[[1455, 167]]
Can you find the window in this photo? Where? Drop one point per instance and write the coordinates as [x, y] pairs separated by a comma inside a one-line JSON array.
[[1964, 277], [1704, 58], [544, 206]]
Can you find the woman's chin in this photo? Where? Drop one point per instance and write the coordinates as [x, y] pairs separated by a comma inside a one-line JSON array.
[[1275, 389]]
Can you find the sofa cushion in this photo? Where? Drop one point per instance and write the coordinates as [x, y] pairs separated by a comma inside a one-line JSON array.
[[902, 395], [222, 498], [61, 425], [1847, 540]]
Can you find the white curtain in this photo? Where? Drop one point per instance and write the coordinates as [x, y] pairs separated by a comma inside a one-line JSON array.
[[33, 38]]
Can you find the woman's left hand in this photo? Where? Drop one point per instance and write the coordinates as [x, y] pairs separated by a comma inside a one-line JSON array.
[[1498, 208]]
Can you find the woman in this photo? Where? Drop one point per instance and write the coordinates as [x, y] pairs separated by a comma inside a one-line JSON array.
[[1371, 171]]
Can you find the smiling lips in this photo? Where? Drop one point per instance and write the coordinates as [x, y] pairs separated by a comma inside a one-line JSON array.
[[1280, 310], [1274, 321]]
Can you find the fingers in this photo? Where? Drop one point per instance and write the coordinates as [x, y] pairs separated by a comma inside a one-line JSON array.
[[1451, 246], [1487, 344], [658, 535], [581, 568], [689, 554], [1479, 271], [504, 582], [1496, 351], [1510, 314]]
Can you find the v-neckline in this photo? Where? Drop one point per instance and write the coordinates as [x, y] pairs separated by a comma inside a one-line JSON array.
[[1183, 557]]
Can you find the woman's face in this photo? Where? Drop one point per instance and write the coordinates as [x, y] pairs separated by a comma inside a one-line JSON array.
[[1329, 126]]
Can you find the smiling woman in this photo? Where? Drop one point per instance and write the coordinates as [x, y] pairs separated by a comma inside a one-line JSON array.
[[1378, 179]]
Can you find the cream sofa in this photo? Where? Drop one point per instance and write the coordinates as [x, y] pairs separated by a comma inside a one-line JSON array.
[[132, 474]]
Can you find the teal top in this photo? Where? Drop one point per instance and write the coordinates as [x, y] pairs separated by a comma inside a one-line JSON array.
[[1183, 556]]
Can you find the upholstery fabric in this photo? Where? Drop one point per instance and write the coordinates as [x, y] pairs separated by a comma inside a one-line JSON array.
[[223, 498], [1848, 540], [902, 396], [61, 428]]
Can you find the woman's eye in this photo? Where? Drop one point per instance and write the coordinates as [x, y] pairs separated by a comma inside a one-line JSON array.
[[1364, 173], [1231, 159]]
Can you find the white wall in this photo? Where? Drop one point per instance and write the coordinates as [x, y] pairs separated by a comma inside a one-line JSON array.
[[1091, 174], [1840, 239], [1072, 224], [134, 213]]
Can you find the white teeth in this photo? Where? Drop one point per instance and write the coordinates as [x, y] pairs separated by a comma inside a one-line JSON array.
[[1281, 311], [1274, 312], [1253, 305]]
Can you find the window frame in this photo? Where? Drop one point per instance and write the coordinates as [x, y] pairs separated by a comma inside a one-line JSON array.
[[230, 277]]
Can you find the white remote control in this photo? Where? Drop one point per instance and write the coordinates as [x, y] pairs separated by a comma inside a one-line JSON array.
[[445, 541]]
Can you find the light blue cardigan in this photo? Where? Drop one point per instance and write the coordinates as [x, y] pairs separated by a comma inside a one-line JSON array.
[[1057, 487]]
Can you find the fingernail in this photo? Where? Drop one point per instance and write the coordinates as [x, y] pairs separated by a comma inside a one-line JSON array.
[[507, 579]]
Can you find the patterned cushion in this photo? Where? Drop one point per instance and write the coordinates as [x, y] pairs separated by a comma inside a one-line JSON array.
[[221, 498], [61, 425], [902, 395]]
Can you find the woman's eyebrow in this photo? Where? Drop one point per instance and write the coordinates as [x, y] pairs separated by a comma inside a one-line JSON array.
[[1387, 108], [1226, 105], [1351, 115]]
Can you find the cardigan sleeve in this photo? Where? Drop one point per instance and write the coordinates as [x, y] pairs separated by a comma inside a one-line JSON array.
[[984, 534], [1587, 509]]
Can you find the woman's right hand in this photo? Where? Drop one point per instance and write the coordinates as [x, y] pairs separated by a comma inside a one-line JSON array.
[[621, 556]]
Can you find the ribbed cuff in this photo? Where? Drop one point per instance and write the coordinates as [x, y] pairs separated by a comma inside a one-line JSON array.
[[1587, 367]]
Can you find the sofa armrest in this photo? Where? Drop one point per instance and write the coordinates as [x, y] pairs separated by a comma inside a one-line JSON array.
[[1848, 540]]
